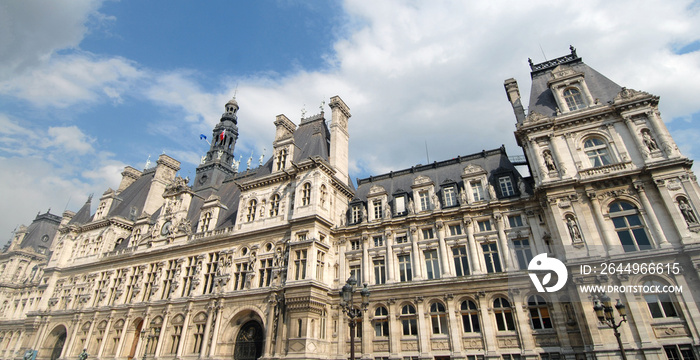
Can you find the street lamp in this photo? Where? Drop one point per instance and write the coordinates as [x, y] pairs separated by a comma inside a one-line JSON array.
[[347, 295], [604, 311], [149, 337]]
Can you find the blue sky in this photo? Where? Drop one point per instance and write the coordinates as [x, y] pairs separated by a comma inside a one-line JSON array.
[[88, 87]]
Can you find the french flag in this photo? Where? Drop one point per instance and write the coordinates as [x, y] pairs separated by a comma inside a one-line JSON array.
[[221, 136]]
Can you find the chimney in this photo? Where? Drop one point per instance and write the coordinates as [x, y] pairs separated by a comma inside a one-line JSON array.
[[166, 169], [514, 97], [339, 138], [129, 175]]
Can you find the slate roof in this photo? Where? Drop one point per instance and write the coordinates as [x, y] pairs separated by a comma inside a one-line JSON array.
[[541, 97], [83, 215], [43, 225], [495, 162], [134, 196]]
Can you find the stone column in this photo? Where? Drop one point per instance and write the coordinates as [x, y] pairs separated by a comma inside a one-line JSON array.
[[423, 328], [454, 328], [523, 328], [656, 227], [612, 246], [473, 251], [185, 326], [145, 327], [415, 255], [163, 331], [211, 308], [270, 329], [503, 243], [68, 347], [395, 329], [120, 345], [664, 137], [105, 336], [18, 344], [444, 259], [389, 258], [217, 326], [367, 348], [558, 160], [343, 244], [672, 209], [365, 262], [43, 325], [311, 262]]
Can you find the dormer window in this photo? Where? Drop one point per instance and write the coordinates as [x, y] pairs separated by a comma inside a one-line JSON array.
[[449, 196], [573, 98], [477, 190], [252, 206], [274, 205], [377, 204], [506, 185], [281, 159], [597, 152], [424, 200], [400, 200], [356, 215]]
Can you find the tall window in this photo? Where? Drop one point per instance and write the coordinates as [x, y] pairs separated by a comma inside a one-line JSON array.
[[210, 273], [597, 152], [198, 335], [306, 194], [438, 318], [265, 272], [377, 204], [252, 205], [679, 352], [515, 221], [405, 268], [408, 320], [379, 271], [175, 337], [504, 315], [356, 272], [190, 270], [455, 230], [660, 304], [206, 219], [484, 225], [432, 264], [281, 159], [539, 313], [477, 190], [522, 252], [470, 317], [150, 281], [356, 214], [381, 322], [629, 227], [169, 278], [378, 241], [424, 201], [239, 276], [400, 205], [573, 99], [461, 260], [274, 205], [493, 262], [300, 265], [449, 196], [506, 185], [428, 233]]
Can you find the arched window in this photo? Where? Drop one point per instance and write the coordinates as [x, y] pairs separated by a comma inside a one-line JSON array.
[[660, 304], [206, 219], [629, 227], [539, 313], [381, 322], [176, 334], [597, 151], [408, 320], [274, 205], [252, 205], [438, 318], [198, 332], [281, 159], [574, 100], [470, 317], [306, 194], [503, 314]]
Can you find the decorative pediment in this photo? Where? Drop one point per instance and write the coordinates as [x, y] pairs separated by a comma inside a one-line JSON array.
[[376, 190], [564, 72], [629, 94], [422, 180], [535, 117], [472, 169]]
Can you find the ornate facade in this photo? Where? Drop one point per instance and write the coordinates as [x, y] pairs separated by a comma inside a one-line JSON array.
[[247, 263]]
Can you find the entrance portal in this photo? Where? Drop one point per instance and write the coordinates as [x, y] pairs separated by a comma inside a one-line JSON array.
[[249, 342], [60, 335]]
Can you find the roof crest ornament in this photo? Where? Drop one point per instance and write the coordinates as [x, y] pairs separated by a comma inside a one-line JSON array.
[[573, 57]]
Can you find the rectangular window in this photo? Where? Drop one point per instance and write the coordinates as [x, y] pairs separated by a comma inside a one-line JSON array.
[[320, 264], [432, 264], [506, 185], [405, 273], [356, 272], [428, 234], [300, 265], [477, 190], [131, 283], [239, 276], [198, 337], [401, 239], [484, 225], [379, 272], [455, 230], [356, 215], [210, 274], [493, 262], [265, 272], [190, 269], [679, 352], [169, 278], [550, 356], [400, 204], [378, 241], [461, 260], [355, 245], [424, 201], [377, 209], [522, 252], [515, 221], [177, 333], [301, 237], [449, 196], [511, 356], [150, 279]]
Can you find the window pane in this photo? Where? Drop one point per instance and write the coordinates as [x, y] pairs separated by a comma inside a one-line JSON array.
[[626, 241], [633, 220], [642, 240]]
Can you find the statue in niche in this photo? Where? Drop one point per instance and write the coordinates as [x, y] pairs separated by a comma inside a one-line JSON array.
[[492, 192], [411, 209], [387, 212], [436, 202], [649, 142], [463, 196], [364, 213], [687, 211], [549, 161], [574, 230]]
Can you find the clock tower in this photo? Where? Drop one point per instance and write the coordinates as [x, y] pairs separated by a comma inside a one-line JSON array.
[[217, 163]]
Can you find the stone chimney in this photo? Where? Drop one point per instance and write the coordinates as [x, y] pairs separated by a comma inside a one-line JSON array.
[[339, 138], [166, 169], [129, 175], [514, 97]]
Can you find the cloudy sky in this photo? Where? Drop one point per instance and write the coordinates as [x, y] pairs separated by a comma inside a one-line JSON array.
[[88, 87]]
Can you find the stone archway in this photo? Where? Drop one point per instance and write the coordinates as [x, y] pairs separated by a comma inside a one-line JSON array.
[[249, 341], [53, 345]]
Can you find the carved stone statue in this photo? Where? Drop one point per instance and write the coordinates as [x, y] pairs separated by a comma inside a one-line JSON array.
[[549, 161], [411, 209], [649, 142], [387, 212], [436, 202], [463, 196], [364, 214], [687, 212], [574, 230], [492, 193]]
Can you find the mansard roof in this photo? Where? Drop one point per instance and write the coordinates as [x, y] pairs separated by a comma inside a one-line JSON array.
[[41, 231], [83, 215], [312, 138], [134, 196], [541, 98], [494, 162]]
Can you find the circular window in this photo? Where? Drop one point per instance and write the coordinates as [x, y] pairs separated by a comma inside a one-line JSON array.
[[268, 247], [45, 238], [244, 251]]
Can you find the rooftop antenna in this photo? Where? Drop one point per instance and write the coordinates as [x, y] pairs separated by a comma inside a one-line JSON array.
[[426, 152], [545, 56]]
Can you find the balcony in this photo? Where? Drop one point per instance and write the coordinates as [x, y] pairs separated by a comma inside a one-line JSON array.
[[605, 169]]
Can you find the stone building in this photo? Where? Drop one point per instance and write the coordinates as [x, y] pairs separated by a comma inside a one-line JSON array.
[[247, 263]]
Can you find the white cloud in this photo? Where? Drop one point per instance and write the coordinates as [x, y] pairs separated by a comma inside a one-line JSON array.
[[70, 139]]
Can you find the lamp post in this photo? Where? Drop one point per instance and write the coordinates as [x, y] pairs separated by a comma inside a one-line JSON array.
[[347, 295], [149, 337], [604, 310]]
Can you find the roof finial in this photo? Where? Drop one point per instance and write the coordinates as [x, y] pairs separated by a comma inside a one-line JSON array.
[[235, 91], [262, 156], [303, 112], [323, 103], [148, 161], [573, 50]]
